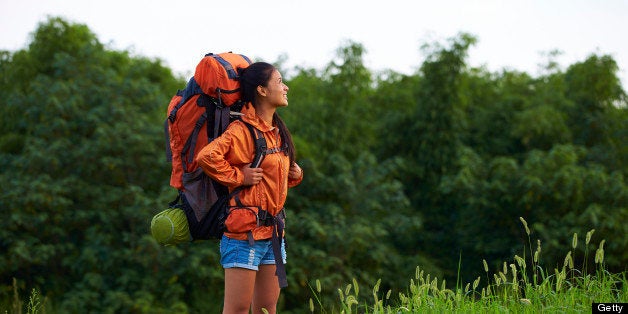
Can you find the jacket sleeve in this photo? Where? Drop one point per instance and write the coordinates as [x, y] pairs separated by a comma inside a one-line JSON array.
[[222, 158]]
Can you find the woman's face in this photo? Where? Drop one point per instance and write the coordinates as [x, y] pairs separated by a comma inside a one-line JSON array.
[[277, 91]]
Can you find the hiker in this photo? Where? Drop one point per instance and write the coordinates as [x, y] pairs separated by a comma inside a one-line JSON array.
[[248, 254]]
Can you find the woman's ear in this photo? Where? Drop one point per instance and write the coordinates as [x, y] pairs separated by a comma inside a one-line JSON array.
[[261, 90]]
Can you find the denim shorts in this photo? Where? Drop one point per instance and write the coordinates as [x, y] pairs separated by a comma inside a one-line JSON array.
[[238, 253]]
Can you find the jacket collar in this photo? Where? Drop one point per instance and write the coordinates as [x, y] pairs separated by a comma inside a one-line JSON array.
[[253, 119]]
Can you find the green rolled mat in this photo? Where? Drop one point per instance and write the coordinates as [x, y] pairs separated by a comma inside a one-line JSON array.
[[170, 227]]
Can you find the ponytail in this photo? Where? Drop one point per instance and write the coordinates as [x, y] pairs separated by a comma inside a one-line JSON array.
[[286, 137]]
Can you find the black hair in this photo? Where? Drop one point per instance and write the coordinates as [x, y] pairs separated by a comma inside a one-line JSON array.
[[258, 74]]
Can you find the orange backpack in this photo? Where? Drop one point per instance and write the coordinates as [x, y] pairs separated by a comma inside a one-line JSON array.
[[197, 115], [213, 92]]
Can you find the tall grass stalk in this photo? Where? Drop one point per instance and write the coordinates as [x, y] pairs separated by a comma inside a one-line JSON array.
[[510, 289]]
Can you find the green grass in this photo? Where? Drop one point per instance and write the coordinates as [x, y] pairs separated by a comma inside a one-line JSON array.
[[518, 287], [33, 306]]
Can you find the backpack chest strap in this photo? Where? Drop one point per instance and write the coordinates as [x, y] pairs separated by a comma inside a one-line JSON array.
[[274, 150]]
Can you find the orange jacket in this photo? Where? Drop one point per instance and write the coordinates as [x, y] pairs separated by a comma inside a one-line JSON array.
[[222, 159]]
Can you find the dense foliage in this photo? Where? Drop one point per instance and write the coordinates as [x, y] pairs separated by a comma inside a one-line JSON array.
[[431, 169]]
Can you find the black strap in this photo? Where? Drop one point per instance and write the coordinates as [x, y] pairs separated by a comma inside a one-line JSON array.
[[280, 270], [190, 144], [260, 145], [266, 219], [168, 149], [221, 120], [174, 203]]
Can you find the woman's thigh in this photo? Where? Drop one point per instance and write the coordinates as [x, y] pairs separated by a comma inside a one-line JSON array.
[[239, 287]]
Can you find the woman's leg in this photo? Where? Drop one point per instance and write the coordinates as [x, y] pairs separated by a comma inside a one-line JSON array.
[[239, 287], [266, 291]]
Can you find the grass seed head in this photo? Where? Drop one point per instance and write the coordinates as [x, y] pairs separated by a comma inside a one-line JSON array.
[[520, 261], [569, 260], [514, 272], [599, 254], [588, 237], [525, 225], [503, 277]]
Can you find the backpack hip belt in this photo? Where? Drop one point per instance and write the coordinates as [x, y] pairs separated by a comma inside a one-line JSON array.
[[264, 218]]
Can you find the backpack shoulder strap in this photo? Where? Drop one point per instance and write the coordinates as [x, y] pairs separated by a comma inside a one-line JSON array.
[[260, 145], [260, 152]]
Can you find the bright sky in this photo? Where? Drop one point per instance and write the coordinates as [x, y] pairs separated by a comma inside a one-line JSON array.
[[513, 34]]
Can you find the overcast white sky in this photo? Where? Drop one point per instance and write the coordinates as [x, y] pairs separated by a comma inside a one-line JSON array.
[[513, 34]]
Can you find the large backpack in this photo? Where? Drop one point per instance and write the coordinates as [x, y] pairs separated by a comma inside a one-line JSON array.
[[197, 115]]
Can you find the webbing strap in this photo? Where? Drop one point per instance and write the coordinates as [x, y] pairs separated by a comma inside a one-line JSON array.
[[190, 144], [190, 90], [167, 131], [246, 58], [280, 268], [274, 150], [231, 72], [168, 149], [260, 145], [277, 221], [221, 121]]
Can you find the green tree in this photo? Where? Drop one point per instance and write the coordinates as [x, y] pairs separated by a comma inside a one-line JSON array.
[[82, 163], [599, 117], [493, 101], [527, 166], [430, 141]]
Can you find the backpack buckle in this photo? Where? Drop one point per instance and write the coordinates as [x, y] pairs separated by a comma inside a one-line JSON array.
[[264, 218]]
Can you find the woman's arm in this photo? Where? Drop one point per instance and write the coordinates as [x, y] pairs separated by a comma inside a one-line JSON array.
[[224, 158]]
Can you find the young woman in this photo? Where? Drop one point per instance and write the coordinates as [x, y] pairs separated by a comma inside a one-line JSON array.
[[249, 248]]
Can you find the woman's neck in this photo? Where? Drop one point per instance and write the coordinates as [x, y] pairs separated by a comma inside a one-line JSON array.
[[265, 113]]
